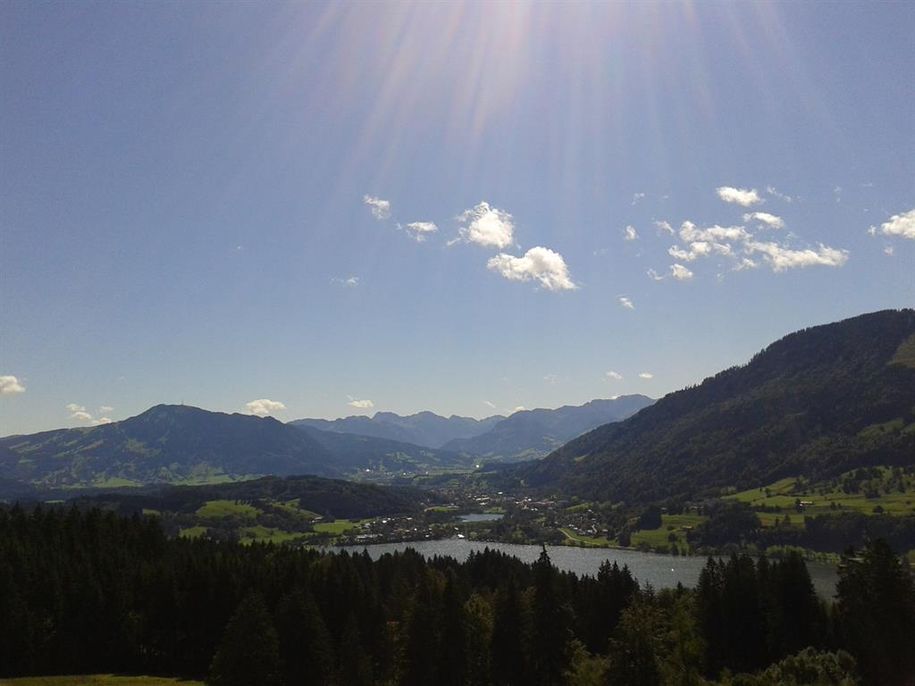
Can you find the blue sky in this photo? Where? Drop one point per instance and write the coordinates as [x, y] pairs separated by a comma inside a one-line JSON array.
[[221, 203]]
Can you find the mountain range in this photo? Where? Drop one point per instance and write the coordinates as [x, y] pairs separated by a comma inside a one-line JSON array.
[[188, 445], [182, 444], [816, 403], [525, 434], [529, 434], [423, 428]]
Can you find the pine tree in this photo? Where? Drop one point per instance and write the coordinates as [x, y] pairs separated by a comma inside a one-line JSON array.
[[249, 651], [876, 614], [306, 650]]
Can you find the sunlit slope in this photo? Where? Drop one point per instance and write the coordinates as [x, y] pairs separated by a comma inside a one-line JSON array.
[[188, 445], [167, 443], [815, 403]]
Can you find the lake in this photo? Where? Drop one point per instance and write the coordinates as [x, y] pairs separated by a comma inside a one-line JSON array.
[[661, 571]]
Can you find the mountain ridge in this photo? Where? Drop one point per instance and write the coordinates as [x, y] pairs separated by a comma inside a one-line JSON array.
[[185, 444], [537, 432], [813, 403], [423, 428]]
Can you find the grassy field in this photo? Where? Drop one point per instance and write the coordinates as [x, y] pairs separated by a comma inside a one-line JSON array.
[[677, 525], [219, 509], [98, 680], [586, 541], [823, 499], [339, 526]]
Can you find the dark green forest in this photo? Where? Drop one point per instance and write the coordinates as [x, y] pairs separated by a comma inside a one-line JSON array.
[[816, 403], [90, 591]]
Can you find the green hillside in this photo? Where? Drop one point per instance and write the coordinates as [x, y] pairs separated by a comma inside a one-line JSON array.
[[179, 444], [814, 404]]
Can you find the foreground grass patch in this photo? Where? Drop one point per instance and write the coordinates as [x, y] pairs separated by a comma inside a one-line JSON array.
[[98, 680]]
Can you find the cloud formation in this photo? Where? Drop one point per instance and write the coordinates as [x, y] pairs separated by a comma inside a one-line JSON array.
[[626, 302], [381, 209], [646, 375], [654, 276], [614, 376], [745, 197], [80, 414], [487, 226], [902, 225], [540, 264], [419, 231], [10, 385], [348, 281], [665, 227], [738, 245], [680, 273], [769, 220], [365, 404], [781, 258], [264, 406], [630, 234]]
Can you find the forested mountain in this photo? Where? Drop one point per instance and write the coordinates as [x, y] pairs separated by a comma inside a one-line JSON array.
[[534, 433], [815, 403], [423, 428], [181, 444]]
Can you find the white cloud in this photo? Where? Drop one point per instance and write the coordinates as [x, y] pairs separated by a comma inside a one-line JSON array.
[[551, 379], [781, 258], [697, 249], [636, 197], [745, 263], [365, 404], [105, 409], [654, 276], [745, 197], [615, 376], [79, 413], [381, 209], [889, 250], [419, 231], [770, 220], [900, 225], [646, 375], [689, 232], [519, 408], [630, 233], [100, 421], [263, 406], [487, 226], [348, 281], [491, 405], [771, 190], [626, 302], [541, 264], [680, 273], [10, 385], [665, 227]]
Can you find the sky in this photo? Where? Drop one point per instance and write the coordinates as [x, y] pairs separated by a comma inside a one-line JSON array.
[[316, 210]]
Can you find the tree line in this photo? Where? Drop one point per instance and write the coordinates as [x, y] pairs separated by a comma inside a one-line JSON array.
[[90, 591]]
